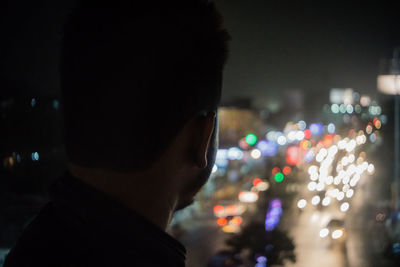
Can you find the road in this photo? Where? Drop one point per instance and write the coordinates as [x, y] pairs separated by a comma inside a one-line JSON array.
[[311, 250]]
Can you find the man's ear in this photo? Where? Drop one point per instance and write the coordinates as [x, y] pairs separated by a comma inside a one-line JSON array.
[[206, 128]]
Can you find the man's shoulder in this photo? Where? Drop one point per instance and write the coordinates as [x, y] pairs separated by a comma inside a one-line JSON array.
[[59, 237], [52, 237]]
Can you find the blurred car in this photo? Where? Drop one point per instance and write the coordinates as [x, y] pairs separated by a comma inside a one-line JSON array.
[[335, 232]]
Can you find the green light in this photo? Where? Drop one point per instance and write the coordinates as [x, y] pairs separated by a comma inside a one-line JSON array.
[[279, 177], [251, 139]]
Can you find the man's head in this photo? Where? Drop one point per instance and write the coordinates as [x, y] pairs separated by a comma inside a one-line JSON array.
[[137, 75]]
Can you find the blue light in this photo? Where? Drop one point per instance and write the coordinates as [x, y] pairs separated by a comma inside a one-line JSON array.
[[309, 156], [335, 108], [261, 259], [331, 128], [273, 215], [372, 138], [19, 158], [222, 158], [235, 153], [56, 104], [267, 148], [302, 125], [33, 102], [349, 109], [316, 128], [35, 156]]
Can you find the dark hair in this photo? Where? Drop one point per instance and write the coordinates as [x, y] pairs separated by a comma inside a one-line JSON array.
[[132, 74]]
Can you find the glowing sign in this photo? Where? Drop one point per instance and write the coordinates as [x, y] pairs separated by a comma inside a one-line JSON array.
[[273, 216], [292, 155]]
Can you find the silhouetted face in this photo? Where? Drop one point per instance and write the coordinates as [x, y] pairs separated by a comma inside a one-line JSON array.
[[188, 195]]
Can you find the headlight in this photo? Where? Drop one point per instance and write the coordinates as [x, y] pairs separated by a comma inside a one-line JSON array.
[[337, 234]]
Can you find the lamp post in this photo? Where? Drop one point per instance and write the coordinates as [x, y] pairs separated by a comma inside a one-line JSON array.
[[390, 84]]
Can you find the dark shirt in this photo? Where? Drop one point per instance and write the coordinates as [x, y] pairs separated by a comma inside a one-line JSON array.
[[83, 227]]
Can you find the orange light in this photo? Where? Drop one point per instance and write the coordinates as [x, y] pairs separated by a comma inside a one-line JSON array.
[[222, 221], [236, 221], [275, 170], [218, 208], [230, 209], [286, 170], [329, 139], [256, 181], [377, 124], [305, 144]]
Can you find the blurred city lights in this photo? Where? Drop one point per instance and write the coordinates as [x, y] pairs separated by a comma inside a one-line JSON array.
[[214, 169], [255, 153], [371, 168], [243, 144], [231, 229], [248, 197], [236, 221], [251, 139], [292, 155], [312, 186], [307, 134], [273, 214], [33, 102], [302, 203], [315, 200], [349, 193], [35, 156], [235, 153], [326, 201], [316, 128], [267, 148], [337, 234], [340, 195], [331, 128], [222, 158], [279, 177], [218, 210], [324, 232], [335, 108], [345, 206], [263, 186], [261, 259], [286, 170], [299, 135], [222, 221], [281, 140], [302, 125], [275, 170], [256, 181]]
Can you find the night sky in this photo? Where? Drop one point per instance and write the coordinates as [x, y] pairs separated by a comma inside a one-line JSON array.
[[275, 45]]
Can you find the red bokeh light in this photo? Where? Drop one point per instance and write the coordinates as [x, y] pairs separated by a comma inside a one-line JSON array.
[[307, 134], [275, 170], [286, 170], [256, 181], [222, 221], [292, 155], [218, 208]]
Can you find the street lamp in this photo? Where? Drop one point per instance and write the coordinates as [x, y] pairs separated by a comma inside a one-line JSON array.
[[390, 84]]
